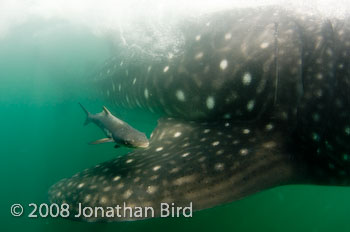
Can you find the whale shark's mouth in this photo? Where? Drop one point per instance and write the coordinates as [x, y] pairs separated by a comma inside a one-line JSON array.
[[203, 163]]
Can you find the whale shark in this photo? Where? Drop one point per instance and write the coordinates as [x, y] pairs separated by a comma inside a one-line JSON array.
[[257, 98], [116, 130]]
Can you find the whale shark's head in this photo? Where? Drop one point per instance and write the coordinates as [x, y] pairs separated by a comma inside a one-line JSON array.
[[257, 98]]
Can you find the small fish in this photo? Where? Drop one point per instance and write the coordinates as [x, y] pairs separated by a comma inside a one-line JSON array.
[[116, 130]]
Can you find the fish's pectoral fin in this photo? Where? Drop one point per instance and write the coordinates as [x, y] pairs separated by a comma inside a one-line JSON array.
[[106, 110], [104, 140]]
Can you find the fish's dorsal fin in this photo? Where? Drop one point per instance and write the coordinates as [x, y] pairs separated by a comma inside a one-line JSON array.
[[106, 110]]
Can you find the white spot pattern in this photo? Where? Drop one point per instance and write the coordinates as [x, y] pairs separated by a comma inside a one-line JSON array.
[[180, 95], [210, 102], [223, 64]]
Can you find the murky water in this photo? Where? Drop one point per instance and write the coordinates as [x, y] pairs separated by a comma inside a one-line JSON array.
[[43, 73]]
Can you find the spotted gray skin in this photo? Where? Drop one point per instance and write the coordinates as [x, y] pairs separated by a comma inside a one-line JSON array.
[[258, 98], [116, 130]]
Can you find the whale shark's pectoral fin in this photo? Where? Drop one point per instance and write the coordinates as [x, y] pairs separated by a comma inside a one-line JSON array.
[[104, 140], [204, 163]]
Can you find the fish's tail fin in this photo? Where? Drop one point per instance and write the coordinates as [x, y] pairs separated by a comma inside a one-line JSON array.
[[88, 120]]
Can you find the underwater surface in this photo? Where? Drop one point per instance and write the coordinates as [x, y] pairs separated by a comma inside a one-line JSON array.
[[43, 76]]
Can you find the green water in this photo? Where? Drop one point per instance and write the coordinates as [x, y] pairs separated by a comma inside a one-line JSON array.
[[43, 69]]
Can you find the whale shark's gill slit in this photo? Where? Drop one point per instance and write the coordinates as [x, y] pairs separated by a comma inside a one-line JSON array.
[[276, 62], [206, 164]]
